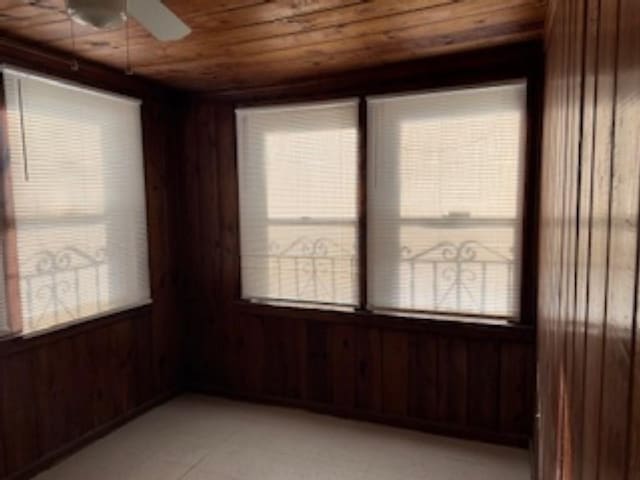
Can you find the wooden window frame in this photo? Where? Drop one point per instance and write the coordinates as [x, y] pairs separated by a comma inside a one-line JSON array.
[[11, 281], [493, 66]]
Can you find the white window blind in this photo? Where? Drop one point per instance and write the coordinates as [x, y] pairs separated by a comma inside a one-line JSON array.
[[297, 169], [79, 200], [444, 200]]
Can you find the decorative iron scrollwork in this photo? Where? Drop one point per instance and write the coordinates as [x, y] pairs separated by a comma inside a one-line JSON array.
[[457, 273], [59, 285]]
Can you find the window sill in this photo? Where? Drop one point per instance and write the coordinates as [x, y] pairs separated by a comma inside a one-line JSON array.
[[17, 341], [448, 317], [445, 324], [327, 307], [87, 319]]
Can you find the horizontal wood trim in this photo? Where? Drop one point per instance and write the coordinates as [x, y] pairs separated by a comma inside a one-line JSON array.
[[477, 434], [13, 344], [465, 328], [520, 60], [41, 59]]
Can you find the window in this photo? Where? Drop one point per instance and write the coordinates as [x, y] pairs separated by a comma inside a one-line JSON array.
[[76, 213], [297, 168], [443, 202]]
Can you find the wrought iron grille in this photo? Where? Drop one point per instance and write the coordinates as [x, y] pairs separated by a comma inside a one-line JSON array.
[[62, 285], [458, 274], [454, 276], [318, 268]]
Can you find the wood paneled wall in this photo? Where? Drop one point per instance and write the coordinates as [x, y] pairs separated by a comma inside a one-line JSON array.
[[456, 378], [589, 355], [60, 389]]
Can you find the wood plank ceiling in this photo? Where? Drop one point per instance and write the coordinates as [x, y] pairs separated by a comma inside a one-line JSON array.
[[251, 43]]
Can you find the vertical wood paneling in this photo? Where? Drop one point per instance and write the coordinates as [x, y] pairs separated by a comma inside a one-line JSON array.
[[600, 219], [21, 435], [452, 380], [629, 113], [483, 384], [208, 198], [252, 365], [59, 388], [517, 384], [621, 333], [53, 394], [395, 379], [83, 398], [550, 251], [389, 370], [159, 147], [229, 211], [229, 231], [369, 370], [343, 365], [587, 357], [424, 377], [143, 360], [584, 230], [319, 388], [623, 241], [282, 358]]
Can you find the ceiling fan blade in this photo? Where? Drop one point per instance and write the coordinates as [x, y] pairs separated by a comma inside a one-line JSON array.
[[161, 22]]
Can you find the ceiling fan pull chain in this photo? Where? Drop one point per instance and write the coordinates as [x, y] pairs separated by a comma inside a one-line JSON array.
[[74, 61], [127, 70]]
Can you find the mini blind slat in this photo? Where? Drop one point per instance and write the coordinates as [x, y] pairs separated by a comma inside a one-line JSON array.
[[298, 212], [444, 200], [78, 187]]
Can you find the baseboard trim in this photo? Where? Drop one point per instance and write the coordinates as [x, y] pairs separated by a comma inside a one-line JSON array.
[[411, 423], [55, 456]]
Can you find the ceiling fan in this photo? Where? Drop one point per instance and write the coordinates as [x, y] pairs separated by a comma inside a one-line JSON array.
[[153, 15]]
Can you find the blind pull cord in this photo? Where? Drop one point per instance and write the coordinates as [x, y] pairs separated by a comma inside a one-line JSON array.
[[75, 66], [23, 133]]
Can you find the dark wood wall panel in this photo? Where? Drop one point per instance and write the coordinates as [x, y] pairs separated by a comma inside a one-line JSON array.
[[343, 365], [445, 382], [61, 388], [517, 392], [465, 379], [589, 267], [395, 374], [368, 370]]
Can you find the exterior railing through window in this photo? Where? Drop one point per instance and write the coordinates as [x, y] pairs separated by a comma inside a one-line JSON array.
[[62, 285], [460, 275]]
